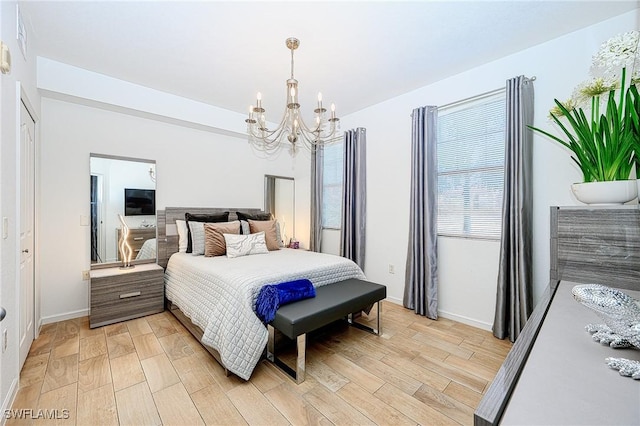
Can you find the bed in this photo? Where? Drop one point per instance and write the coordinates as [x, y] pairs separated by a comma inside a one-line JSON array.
[[214, 296]]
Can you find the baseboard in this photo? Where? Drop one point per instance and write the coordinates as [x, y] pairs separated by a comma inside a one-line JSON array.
[[448, 315], [8, 401], [393, 300], [38, 328], [466, 320], [65, 316]]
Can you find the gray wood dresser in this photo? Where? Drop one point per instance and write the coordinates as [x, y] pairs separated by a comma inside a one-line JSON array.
[[555, 374], [121, 294]]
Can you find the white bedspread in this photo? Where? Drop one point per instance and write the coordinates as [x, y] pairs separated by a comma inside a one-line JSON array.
[[148, 250], [218, 294]]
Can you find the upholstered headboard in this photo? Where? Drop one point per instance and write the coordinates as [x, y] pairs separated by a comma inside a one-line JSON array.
[[168, 232]]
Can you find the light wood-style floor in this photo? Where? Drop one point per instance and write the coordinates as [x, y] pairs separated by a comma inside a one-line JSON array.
[[151, 371]]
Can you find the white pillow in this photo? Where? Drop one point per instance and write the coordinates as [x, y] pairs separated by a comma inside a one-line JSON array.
[[197, 238], [243, 245], [182, 235]]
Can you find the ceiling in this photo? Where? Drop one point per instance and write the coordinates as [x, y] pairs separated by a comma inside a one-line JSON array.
[[357, 53]]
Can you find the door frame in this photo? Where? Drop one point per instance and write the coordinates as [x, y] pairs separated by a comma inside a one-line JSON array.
[[100, 214], [23, 98]]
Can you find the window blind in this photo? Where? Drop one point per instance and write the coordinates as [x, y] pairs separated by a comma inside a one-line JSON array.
[[332, 185], [471, 140]]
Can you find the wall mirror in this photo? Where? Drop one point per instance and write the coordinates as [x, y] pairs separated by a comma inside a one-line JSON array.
[[122, 186], [280, 200]]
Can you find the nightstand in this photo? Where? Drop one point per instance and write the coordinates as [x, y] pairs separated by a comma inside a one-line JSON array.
[[121, 294]]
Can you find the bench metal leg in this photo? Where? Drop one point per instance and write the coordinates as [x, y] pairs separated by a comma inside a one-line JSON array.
[[301, 368], [377, 330], [301, 347], [271, 343]]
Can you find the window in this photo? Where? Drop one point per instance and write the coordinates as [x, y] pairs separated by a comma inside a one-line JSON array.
[[471, 168], [332, 186]]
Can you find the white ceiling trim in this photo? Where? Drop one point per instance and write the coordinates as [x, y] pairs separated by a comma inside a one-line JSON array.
[[66, 82]]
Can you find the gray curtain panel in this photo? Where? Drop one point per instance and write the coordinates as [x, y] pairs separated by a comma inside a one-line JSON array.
[[354, 202], [421, 279], [514, 301], [315, 241]]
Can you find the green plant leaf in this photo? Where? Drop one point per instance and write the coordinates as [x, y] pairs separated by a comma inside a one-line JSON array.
[[605, 145]]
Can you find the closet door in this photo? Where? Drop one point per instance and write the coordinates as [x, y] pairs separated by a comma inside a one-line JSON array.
[[27, 205]]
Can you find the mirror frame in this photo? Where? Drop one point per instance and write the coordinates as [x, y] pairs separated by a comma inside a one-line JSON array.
[[267, 178], [134, 261]]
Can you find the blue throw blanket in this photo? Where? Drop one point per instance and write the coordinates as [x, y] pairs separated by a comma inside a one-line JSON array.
[[272, 296]]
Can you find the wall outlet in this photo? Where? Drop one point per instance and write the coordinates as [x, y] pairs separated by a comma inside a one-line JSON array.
[[85, 276], [392, 269], [5, 340]]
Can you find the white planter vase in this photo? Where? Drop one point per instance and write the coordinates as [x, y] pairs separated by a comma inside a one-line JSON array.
[[606, 193]]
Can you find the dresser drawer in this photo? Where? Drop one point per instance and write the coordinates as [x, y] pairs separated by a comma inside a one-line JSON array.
[[124, 296]]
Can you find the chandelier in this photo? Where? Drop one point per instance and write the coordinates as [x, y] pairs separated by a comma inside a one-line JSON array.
[[292, 130]]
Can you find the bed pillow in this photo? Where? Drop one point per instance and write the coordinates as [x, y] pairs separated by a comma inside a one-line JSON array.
[[244, 227], [182, 235], [209, 218], [243, 245], [214, 243], [197, 238], [269, 229], [254, 216]]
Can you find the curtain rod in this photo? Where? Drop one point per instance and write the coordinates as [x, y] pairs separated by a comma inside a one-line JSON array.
[[476, 97]]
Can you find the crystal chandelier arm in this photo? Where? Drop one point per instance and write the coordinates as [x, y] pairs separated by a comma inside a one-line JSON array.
[[310, 134], [269, 142], [268, 135], [321, 123], [313, 142]]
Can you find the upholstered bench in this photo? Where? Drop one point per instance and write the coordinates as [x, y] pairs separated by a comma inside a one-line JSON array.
[[332, 302]]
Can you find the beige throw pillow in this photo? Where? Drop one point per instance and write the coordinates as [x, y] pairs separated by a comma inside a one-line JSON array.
[[269, 229], [214, 243]]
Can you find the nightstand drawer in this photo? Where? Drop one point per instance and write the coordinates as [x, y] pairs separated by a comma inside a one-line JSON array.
[[125, 295], [113, 284]]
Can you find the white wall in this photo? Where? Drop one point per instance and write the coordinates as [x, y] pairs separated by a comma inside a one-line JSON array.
[[21, 78], [194, 168], [468, 269]]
